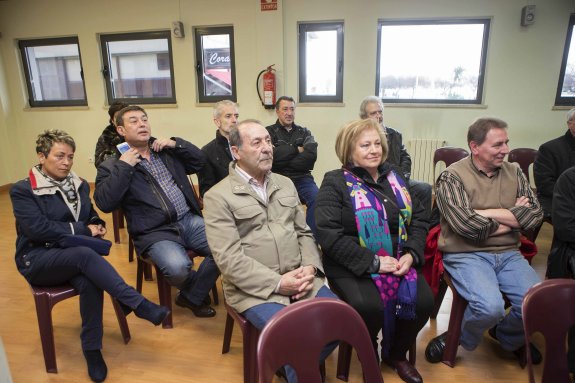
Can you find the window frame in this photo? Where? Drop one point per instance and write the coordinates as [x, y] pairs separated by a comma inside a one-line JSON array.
[[204, 31], [482, 65], [560, 100], [303, 28], [27, 43], [151, 35]]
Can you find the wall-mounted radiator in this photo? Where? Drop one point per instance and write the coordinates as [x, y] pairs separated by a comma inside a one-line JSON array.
[[421, 152]]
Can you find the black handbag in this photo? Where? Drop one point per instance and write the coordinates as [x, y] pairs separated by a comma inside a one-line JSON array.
[[99, 245]]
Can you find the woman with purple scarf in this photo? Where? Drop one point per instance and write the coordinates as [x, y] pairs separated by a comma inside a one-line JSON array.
[[372, 234]]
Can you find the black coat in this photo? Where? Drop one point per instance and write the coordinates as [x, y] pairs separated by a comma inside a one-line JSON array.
[[150, 215], [288, 161], [218, 158], [396, 153], [41, 220], [337, 230], [554, 158]]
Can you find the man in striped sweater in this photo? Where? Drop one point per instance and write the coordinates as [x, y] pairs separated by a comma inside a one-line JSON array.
[[484, 202]]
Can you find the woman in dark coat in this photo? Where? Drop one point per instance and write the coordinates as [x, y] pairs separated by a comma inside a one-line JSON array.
[[54, 203], [372, 234]]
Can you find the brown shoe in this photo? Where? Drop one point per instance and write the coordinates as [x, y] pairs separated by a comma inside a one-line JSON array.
[[406, 371], [201, 311]]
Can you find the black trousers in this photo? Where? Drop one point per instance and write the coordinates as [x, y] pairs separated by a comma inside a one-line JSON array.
[[90, 274], [362, 294]]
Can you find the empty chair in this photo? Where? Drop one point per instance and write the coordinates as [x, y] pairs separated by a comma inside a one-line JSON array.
[[548, 308], [297, 335], [45, 298]]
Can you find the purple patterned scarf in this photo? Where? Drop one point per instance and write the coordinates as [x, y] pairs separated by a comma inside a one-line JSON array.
[[398, 294]]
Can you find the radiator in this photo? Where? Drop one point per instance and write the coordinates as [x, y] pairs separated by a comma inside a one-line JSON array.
[[421, 152]]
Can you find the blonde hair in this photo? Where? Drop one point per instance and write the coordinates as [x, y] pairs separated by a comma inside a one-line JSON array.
[[348, 135]]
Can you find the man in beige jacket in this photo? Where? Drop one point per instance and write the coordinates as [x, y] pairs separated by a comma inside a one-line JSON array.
[[257, 232]]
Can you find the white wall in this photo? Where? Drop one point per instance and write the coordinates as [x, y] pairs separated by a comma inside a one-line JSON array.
[[521, 76]]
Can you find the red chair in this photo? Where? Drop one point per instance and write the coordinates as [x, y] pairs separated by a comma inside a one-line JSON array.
[[298, 333], [164, 288], [458, 307], [447, 155], [525, 157], [250, 335], [45, 299], [548, 308]]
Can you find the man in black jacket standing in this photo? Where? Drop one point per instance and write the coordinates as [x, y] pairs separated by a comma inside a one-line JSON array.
[[295, 153], [149, 182], [372, 107], [218, 152]]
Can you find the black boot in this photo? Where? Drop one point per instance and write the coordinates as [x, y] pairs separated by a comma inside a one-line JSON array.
[[151, 312], [97, 368]]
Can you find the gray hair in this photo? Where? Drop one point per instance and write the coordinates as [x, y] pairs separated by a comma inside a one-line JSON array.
[[46, 140], [480, 127], [366, 101], [219, 107], [570, 114]]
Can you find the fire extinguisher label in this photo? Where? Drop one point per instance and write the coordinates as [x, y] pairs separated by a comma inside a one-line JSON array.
[[268, 97]]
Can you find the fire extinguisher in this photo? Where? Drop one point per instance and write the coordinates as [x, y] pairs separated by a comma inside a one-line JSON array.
[[269, 99]]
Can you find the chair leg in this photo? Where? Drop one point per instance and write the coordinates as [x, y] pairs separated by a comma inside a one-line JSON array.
[[229, 330], [116, 216], [139, 275], [165, 294], [251, 335], [148, 272], [439, 298], [413, 353], [121, 320], [215, 295], [454, 329], [343, 361], [44, 312], [130, 250]]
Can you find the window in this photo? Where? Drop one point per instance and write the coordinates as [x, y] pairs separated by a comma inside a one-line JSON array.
[[566, 87], [138, 67], [53, 70], [215, 64], [431, 61], [321, 62]]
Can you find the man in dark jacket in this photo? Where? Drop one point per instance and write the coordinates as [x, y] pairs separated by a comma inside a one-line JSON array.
[[554, 158], [217, 151], [372, 107], [295, 153], [149, 182]]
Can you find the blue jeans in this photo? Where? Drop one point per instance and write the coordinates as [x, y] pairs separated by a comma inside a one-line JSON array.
[[176, 266], [261, 314], [307, 191], [480, 278]]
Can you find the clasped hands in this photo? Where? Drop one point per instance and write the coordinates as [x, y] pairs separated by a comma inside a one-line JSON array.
[[297, 283], [397, 267], [98, 230]]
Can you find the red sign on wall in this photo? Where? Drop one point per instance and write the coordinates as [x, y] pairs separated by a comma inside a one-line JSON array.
[[269, 5]]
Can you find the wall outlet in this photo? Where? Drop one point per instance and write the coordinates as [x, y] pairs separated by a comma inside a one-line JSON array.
[[91, 160]]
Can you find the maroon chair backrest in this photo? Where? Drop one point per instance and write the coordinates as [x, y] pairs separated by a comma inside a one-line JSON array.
[[524, 157], [548, 308], [297, 334], [448, 155]]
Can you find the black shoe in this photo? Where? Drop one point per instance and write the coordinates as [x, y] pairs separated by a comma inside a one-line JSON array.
[[151, 312], [201, 311], [521, 354], [97, 368], [435, 348], [127, 310]]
